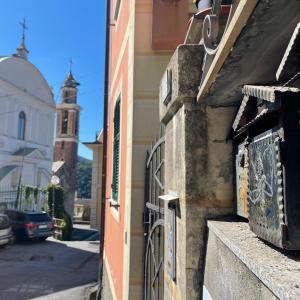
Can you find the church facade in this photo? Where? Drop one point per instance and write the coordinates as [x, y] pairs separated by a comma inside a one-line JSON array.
[[27, 112]]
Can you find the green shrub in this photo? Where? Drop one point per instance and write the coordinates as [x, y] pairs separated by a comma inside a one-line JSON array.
[[59, 211], [67, 230]]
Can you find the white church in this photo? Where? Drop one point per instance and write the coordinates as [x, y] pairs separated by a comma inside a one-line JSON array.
[[27, 112]]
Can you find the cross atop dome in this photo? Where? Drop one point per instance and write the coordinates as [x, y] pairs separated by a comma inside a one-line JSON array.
[[22, 51], [24, 27]]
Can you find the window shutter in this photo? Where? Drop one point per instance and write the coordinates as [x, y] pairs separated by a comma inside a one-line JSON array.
[[116, 149]]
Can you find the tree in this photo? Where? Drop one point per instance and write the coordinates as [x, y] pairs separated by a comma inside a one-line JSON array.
[[83, 178]]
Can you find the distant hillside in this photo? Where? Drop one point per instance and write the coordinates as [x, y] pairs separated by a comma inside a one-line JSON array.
[[83, 177]]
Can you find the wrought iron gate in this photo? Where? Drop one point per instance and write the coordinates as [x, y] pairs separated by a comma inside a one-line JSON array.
[[154, 222]]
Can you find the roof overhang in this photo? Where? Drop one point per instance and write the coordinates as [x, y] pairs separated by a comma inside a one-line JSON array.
[[250, 54]]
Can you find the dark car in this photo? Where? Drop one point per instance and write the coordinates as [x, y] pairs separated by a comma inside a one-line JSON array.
[[30, 224], [5, 230]]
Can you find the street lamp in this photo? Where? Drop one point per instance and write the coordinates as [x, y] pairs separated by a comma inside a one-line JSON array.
[[54, 181]]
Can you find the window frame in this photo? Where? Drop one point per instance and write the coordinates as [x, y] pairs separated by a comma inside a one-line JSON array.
[[77, 123], [117, 10], [64, 115], [115, 182]]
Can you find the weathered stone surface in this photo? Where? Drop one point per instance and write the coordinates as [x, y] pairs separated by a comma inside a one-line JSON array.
[[240, 266], [194, 33], [199, 170], [185, 66]]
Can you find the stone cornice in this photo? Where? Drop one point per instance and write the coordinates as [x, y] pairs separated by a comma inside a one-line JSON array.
[[68, 106]]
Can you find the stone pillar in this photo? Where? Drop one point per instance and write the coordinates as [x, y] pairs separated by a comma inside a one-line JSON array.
[[198, 168]]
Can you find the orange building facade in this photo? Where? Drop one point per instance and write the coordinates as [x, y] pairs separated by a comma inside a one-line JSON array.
[[143, 35]]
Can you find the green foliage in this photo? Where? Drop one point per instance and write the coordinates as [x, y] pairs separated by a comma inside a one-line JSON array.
[[59, 211], [28, 190], [30, 194], [58, 193], [67, 230], [35, 194], [83, 178]]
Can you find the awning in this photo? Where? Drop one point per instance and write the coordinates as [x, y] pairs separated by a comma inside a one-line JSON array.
[[267, 93]]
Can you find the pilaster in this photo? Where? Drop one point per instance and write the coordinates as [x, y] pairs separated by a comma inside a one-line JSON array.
[[198, 168]]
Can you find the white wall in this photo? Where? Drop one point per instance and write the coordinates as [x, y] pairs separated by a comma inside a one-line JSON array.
[[40, 114]]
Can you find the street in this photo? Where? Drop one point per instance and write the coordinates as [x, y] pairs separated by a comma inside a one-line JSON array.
[[35, 269]]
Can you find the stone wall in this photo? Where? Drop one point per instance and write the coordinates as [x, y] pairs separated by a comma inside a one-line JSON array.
[[226, 277], [198, 169], [239, 265]]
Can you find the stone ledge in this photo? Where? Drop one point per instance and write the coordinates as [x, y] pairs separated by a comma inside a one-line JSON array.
[[278, 270], [185, 69]]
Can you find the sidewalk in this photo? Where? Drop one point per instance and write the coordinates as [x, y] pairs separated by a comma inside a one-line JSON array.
[[83, 232], [78, 293]]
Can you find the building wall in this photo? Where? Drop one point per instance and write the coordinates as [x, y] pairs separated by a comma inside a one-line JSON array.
[[22, 88], [198, 169], [96, 193], [136, 70], [119, 68], [149, 66]]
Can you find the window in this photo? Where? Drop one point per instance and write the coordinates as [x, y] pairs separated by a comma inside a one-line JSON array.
[[21, 125], [15, 177], [38, 217], [62, 145], [64, 124], [116, 153], [117, 9], [76, 123]]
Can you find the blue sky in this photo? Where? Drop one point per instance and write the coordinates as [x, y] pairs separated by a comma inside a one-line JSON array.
[[58, 30]]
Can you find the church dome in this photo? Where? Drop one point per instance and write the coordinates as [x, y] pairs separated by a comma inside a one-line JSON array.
[[23, 75]]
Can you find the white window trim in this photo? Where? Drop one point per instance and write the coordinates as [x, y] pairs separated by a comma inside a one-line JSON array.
[[117, 10]]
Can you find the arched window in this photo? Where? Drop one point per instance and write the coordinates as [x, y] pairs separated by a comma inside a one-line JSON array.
[[21, 126], [77, 123], [64, 125]]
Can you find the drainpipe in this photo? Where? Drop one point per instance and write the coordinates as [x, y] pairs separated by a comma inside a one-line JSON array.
[[104, 164]]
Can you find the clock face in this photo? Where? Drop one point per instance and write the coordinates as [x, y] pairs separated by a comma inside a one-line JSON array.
[[55, 180]]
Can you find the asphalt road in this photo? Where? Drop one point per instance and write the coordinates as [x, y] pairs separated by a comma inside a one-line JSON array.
[[34, 269]]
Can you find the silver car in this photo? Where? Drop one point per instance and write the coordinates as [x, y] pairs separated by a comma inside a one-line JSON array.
[[6, 235]]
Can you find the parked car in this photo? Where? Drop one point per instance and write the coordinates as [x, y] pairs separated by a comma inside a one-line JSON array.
[[30, 224], [6, 235]]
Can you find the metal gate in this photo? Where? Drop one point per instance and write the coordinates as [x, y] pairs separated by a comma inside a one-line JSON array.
[[154, 222]]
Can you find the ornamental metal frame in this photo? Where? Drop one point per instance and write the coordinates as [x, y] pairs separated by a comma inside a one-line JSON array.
[[154, 221], [213, 30]]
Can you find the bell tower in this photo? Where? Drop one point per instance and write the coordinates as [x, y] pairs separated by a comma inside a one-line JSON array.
[[66, 142]]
